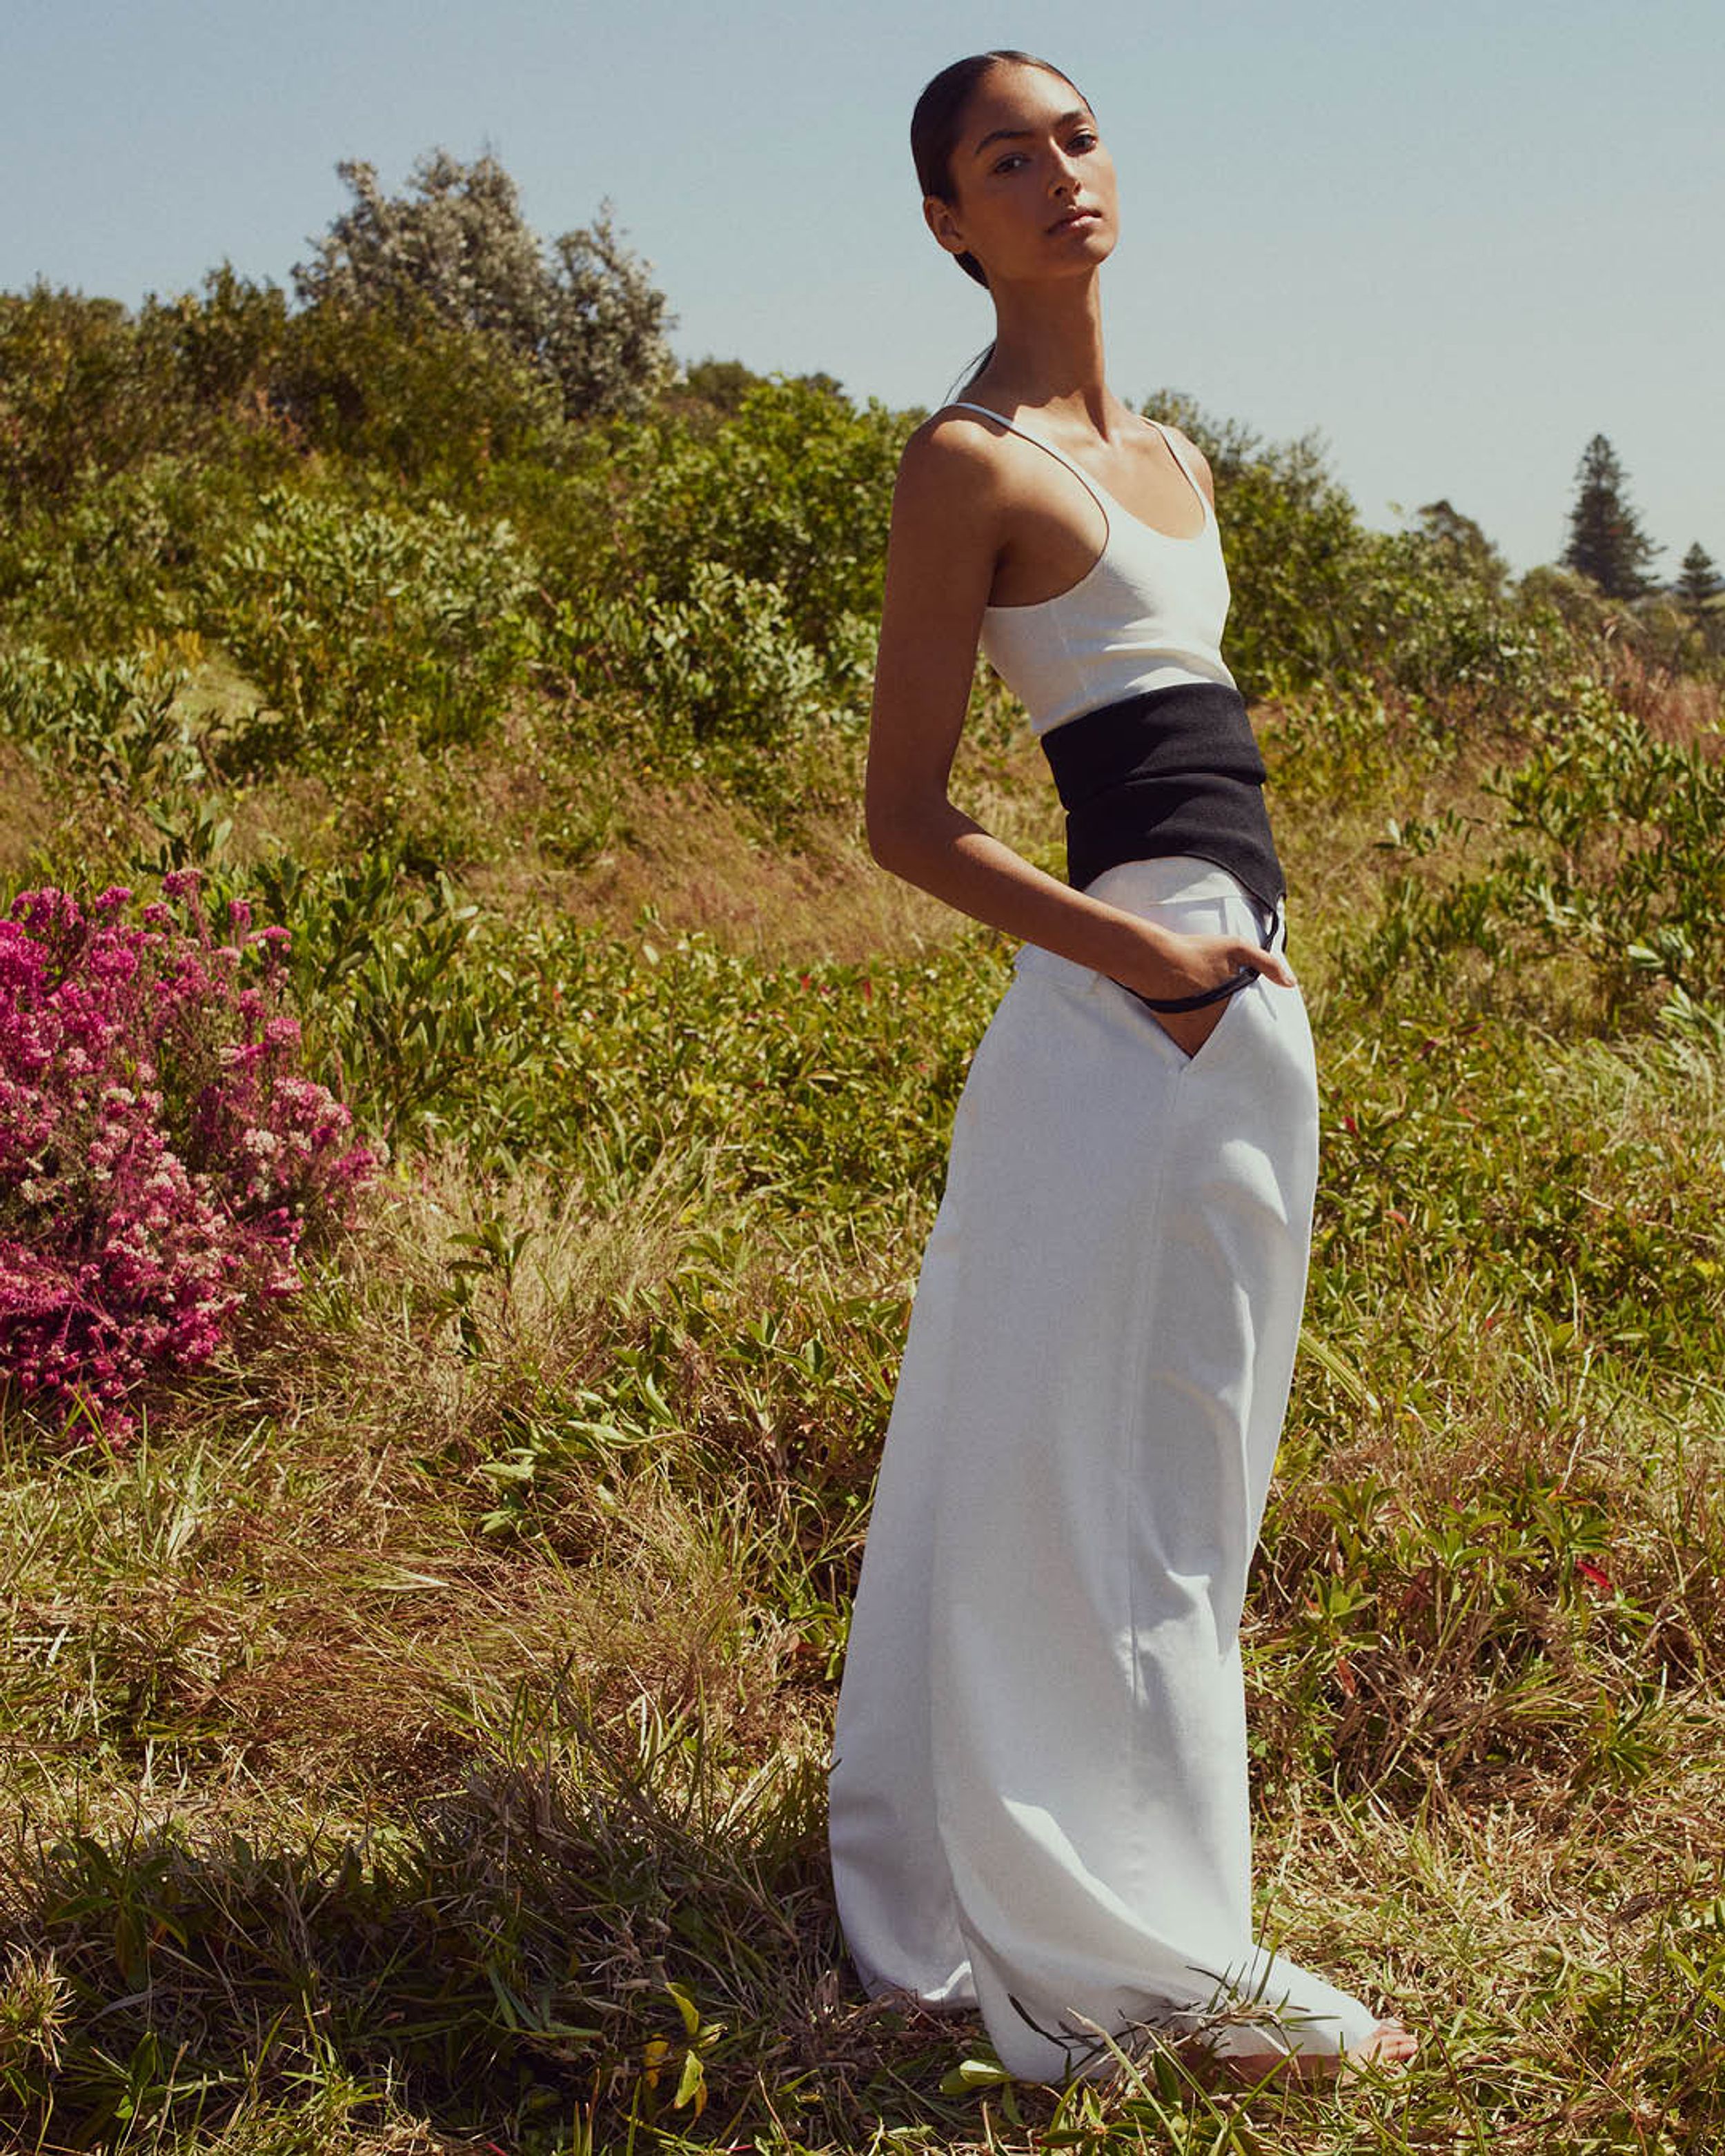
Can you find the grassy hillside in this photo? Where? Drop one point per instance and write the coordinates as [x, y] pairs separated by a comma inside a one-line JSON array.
[[415, 1721]]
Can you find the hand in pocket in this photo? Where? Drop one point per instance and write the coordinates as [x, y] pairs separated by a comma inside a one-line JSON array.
[[1218, 966]]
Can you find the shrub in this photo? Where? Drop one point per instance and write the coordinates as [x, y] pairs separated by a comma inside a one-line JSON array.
[[1435, 625], [392, 995], [1608, 863], [718, 662], [162, 1159], [115, 562], [795, 491], [1320, 601], [737, 595], [1293, 543], [116, 718], [225, 342], [89, 388], [83, 387], [356, 622], [426, 399]]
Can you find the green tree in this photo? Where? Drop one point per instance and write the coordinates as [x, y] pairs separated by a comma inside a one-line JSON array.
[[583, 310], [84, 391], [1462, 545], [225, 342], [723, 383], [1606, 541], [407, 390], [1700, 596], [1699, 581]]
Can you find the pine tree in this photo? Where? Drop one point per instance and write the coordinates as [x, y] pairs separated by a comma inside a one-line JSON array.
[[1700, 579], [1606, 541]]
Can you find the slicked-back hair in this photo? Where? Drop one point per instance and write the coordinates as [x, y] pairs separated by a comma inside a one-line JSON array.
[[938, 121]]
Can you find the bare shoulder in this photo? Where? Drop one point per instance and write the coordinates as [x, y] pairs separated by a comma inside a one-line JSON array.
[[954, 469], [1195, 456], [953, 449]]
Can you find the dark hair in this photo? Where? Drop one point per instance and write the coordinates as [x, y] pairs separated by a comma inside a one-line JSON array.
[[939, 116]]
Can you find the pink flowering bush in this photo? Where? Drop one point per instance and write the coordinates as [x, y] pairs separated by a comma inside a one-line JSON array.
[[161, 1158]]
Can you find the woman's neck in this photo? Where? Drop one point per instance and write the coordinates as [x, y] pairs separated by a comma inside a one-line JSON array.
[[1047, 351]]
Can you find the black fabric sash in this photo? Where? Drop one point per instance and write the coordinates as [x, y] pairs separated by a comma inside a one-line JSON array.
[[1167, 771]]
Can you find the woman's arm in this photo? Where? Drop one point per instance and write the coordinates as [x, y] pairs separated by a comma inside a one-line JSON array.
[[949, 520]]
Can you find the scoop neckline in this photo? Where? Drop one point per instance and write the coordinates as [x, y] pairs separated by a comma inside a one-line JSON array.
[[1207, 514]]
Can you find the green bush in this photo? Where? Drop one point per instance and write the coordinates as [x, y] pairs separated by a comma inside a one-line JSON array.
[[88, 388], [547, 1041], [84, 387], [1480, 1147], [405, 393], [1427, 623], [116, 562], [717, 662], [795, 490], [1608, 868], [117, 719], [358, 624], [225, 342], [732, 589], [1321, 602], [1293, 544]]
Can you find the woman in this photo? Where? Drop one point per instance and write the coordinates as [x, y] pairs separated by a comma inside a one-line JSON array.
[[1038, 1794]]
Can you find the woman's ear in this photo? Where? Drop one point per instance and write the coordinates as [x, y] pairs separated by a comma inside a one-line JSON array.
[[938, 216]]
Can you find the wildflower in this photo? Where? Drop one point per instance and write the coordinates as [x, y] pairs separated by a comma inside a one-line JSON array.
[[127, 1247]]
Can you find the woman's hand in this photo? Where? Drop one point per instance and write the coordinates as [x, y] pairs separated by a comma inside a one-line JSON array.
[[1191, 966], [1177, 965]]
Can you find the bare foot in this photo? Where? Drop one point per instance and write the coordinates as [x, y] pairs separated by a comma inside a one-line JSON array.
[[1390, 2045]]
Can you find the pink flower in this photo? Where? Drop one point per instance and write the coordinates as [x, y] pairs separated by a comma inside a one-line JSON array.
[[128, 1251]]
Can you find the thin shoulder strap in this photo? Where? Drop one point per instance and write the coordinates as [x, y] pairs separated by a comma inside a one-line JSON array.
[[1098, 493], [1182, 459]]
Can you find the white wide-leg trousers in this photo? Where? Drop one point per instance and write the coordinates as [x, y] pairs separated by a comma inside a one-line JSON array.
[[1038, 1794]]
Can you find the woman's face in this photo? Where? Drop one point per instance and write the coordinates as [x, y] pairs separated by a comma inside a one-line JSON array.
[[1032, 188]]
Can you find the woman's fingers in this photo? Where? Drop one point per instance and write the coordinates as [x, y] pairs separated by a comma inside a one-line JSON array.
[[1204, 967], [1207, 960], [1269, 963], [1211, 961]]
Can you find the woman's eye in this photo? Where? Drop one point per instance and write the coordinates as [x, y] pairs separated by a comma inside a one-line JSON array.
[[1011, 162], [1086, 141]]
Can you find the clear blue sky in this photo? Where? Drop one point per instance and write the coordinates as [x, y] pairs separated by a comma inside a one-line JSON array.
[[1456, 239]]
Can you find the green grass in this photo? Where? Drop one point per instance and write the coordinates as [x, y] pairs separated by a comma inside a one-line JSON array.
[[416, 1742]]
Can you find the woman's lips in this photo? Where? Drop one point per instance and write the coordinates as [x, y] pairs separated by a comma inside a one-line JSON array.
[[1074, 218]]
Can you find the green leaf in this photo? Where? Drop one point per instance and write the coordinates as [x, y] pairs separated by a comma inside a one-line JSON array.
[[973, 2074], [691, 2084]]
